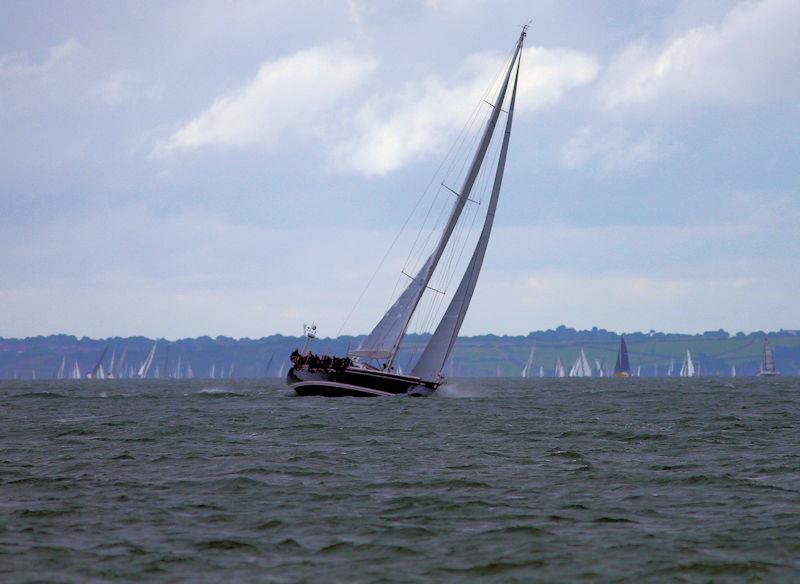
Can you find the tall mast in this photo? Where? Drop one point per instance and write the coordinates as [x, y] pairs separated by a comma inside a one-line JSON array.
[[437, 351], [384, 340]]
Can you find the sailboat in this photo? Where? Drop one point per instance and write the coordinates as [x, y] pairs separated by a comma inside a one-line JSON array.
[[527, 368], [62, 367], [142, 373], [687, 369], [76, 371], [598, 366], [581, 367], [671, 369], [356, 375], [558, 370], [733, 370], [623, 367], [541, 370], [767, 367], [97, 371]]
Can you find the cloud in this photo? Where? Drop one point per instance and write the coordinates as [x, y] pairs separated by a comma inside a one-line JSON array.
[[286, 95], [121, 86], [394, 128], [18, 66], [754, 51], [612, 151]]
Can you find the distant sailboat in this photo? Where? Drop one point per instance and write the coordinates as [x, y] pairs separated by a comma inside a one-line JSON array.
[[121, 365], [528, 364], [142, 373], [76, 372], [687, 369], [581, 367], [622, 368], [189, 372], [671, 370], [110, 373], [767, 367], [62, 367], [638, 371], [212, 372], [733, 370], [559, 369], [541, 370], [599, 368]]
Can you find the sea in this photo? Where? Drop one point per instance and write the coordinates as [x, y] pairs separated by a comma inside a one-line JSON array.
[[489, 480]]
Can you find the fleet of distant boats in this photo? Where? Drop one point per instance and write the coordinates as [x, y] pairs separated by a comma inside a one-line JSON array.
[[622, 368], [119, 367]]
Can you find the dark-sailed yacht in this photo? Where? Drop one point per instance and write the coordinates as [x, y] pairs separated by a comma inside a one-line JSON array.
[[370, 369], [623, 366]]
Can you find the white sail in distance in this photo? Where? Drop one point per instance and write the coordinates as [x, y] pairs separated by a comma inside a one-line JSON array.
[[581, 367], [526, 370]]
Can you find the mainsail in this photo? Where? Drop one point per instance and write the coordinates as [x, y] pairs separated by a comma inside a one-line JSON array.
[[767, 367], [623, 366], [687, 369], [437, 351], [148, 362], [559, 368], [384, 340], [526, 371]]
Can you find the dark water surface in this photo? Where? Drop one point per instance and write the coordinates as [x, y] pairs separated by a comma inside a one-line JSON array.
[[493, 480]]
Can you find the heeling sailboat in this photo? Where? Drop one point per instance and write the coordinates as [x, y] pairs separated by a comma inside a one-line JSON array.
[[356, 377], [581, 367], [526, 371]]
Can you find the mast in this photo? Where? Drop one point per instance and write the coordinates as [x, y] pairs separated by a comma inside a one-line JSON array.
[[384, 340], [438, 349]]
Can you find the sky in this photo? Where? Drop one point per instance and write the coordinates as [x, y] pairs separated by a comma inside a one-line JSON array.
[[177, 169]]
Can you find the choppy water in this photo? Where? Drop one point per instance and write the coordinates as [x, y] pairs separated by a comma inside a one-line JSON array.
[[493, 480]]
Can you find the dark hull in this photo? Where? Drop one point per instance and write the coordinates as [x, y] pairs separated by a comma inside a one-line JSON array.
[[356, 382]]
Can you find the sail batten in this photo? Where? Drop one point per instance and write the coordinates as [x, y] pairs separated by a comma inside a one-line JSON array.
[[435, 355], [384, 340]]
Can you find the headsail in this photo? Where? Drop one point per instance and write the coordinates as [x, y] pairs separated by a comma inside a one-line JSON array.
[[430, 364], [384, 340]]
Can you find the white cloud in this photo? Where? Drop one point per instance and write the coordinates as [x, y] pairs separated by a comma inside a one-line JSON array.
[[122, 85], [612, 151], [394, 128], [18, 66], [753, 51], [287, 94]]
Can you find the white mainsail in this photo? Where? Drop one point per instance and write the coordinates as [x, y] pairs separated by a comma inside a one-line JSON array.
[[526, 370], [212, 371], [147, 362], [384, 340], [61, 368], [581, 367], [76, 372], [733, 370], [110, 374], [541, 370], [433, 358], [121, 364], [599, 368], [687, 369], [559, 368], [671, 370]]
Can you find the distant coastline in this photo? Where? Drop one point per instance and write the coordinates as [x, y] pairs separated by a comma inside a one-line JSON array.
[[476, 356]]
